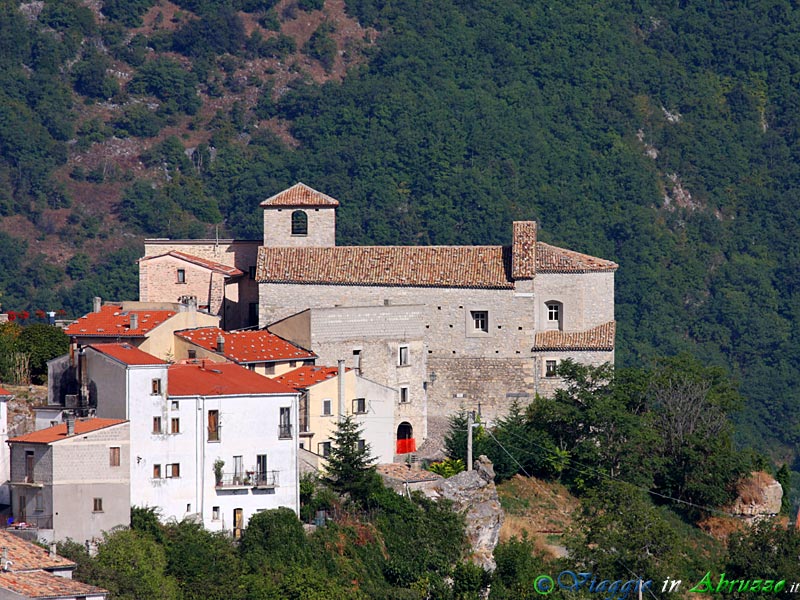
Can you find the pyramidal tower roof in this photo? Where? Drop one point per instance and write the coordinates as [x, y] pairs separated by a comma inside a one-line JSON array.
[[299, 195]]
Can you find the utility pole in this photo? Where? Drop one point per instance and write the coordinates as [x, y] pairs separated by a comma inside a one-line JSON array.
[[470, 416]]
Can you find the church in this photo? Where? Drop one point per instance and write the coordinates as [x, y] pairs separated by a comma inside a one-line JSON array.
[[448, 327]]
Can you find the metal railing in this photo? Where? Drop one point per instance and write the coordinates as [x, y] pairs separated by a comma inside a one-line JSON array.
[[248, 479]]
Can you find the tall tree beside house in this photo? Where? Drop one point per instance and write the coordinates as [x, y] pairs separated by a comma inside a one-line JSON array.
[[351, 468], [41, 342]]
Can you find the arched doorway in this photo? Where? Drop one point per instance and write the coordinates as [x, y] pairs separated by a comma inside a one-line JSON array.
[[405, 438]]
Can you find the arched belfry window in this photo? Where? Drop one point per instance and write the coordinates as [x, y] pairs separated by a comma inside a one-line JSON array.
[[299, 223]]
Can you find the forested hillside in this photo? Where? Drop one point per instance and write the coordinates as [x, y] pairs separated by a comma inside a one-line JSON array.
[[662, 135]]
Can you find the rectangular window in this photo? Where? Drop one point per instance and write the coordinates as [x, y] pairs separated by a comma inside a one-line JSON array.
[[181, 275], [213, 426], [359, 405], [402, 356], [404, 395], [113, 456], [357, 361], [326, 407], [215, 513], [174, 470], [155, 387], [480, 320], [29, 466], [192, 354], [261, 469], [174, 405], [175, 425], [269, 369], [156, 471], [324, 449], [553, 311], [285, 423], [38, 503], [252, 366], [238, 469], [362, 445], [97, 505], [156, 424], [550, 367]]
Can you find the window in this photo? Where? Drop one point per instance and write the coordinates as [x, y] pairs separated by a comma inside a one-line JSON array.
[[29, 466], [97, 505], [404, 395], [192, 354], [213, 426], [175, 425], [155, 387], [113, 456], [480, 320], [156, 471], [299, 223], [357, 361], [181, 275], [550, 367], [324, 449], [555, 314], [238, 469], [402, 356], [38, 503], [261, 469], [252, 366], [174, 470], [156, 424], [359, 405], [174, 405], [285, 423], [326, 407], [269, 369], [362, 445], [215, 513]]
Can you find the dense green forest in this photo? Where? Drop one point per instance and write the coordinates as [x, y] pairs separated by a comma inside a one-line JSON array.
[[661, 135]]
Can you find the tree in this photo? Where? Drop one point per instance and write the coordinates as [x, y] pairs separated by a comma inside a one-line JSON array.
[[274, 537], [41, 342], [351, 469], [768, 548]]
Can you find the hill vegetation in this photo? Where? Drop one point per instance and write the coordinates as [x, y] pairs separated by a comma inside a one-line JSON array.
[[661, 135]]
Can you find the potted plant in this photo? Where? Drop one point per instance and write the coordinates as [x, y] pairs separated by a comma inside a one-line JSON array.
[[218, 464]]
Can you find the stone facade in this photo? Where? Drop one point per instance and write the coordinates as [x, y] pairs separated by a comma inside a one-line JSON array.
[[321, 224]]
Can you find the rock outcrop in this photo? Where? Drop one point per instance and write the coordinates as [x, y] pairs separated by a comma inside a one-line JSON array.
[[759, 496], [474, 493]]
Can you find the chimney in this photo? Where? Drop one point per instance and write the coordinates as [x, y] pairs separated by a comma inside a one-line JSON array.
[[220, 344], [341, 389], [70, 424], [97, 302], [52, 549], [134, 320]]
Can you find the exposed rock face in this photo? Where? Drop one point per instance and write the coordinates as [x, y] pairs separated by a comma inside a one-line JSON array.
[[759, 496], [474, 493]]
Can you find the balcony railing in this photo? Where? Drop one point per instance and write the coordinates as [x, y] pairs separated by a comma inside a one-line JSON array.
[[284, 431], [31, 522], [248, 479]]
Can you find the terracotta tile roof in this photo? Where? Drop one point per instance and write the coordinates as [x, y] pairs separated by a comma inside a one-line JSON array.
[[227, 270], [207, 378], [41, 585], [401, 472], [127, 354], [59, 432], [424, 266], [300, 195], [550, 259], [247, 346], [304, 377], [4, 392], [112, 322], [28, 557], [523, 250], [598, 338]]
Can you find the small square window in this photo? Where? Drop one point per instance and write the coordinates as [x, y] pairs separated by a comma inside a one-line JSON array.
[[402, 356], [113, 456], [324, 449], [174, 405], [156, 424], [359, 405], [192, 354], [404, 399], [326, 407], [269, 369], [97, 505], [480, 320], [550, 368], [175, 425], [181, 275], [156, 471], [155, 387]]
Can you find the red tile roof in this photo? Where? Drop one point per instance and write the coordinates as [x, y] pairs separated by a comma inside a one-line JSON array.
[[59, 432], [207, 378], [304, 377], [550, 259], [300, 195], [27, 556], [4, 392], [40, 584], [247, 346], [226, 270], [127, 354], [424, 266], [598, 338], [111, 321]]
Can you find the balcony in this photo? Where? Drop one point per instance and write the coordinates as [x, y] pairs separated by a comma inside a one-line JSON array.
[[248, 479], [27, 482], [38, 521]]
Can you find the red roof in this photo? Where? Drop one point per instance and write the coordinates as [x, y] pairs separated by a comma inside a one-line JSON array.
[[597, 338], [27, 556], [127, 354], [226, 270], [247, 346], [550, 259], [207, 378], [111, 321], [59, 432], [299, 195], [4, 392], [40, 584], [304, 377]]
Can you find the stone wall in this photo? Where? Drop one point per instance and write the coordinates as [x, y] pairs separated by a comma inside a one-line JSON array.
[[321, 227]]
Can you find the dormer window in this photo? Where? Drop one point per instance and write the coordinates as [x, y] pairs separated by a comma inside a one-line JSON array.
[[299, 223]]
